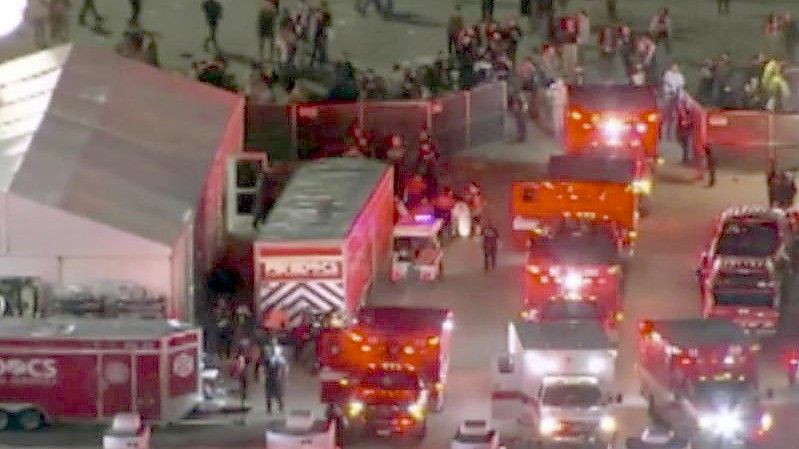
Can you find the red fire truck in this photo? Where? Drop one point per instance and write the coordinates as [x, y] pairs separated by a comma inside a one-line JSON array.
[[387, 337], [708, 366], [538, 206], [747, 267], [90, 370], [625, 166], [599, 117], [574, 273]]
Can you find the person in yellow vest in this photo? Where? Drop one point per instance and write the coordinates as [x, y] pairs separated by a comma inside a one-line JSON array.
[[776, 88]]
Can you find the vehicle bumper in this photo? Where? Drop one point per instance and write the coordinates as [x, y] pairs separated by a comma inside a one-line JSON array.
[[384, 427]]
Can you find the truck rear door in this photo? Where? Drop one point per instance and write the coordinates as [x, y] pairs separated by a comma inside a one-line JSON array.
[[115, 383]]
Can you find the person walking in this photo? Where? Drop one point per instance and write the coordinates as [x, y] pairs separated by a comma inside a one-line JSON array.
[[487, 9], [212, 10], [660, 28], [490, 247], [673, 85], [611, 10], [275, 372], [135, 12], [37, 15], [267, 14], [238, 371], [723, 6], [790, 36], [58, 15], [323, 20], [89, 7], [710, 165], [517, 105]]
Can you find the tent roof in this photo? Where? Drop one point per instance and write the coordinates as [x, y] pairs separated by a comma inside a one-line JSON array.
[[109, 139]]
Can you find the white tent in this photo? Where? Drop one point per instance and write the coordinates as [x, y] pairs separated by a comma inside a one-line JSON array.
[[111, 170]]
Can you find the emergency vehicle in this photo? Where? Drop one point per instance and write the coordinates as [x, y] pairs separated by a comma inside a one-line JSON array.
[[417, 338], [746, 270], [417, 248], [558, 376], [790, 360], [385, 401], [326, 239], [574, 273], [616, 116], [626, 166], [538, 206], [708, 367]]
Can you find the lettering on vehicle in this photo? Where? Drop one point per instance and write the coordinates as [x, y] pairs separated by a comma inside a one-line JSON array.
[[183, 365], [28, 371]]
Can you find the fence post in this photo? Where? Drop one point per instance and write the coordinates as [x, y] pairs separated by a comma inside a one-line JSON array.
[[467, 95], [293, 131]]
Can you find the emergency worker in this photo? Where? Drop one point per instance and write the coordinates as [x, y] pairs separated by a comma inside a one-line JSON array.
[[660, 28], [474, 198], [781, 189], [710, 165], [490, 246], [224, 327], [443, 203], [685, 127], [517, 105], [275, 321], [275, 371], [415, 190], [427, 158], [238, 371]]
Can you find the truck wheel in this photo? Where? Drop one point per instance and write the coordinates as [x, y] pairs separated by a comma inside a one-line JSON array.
[[5, 420], [30, 419]]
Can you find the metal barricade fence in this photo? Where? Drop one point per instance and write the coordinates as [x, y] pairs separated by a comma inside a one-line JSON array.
[[456, 121], [449, 117], [486, 109]]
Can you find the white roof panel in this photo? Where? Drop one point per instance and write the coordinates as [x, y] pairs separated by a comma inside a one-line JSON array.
[[109, 139], [87, 329], [322, 200]]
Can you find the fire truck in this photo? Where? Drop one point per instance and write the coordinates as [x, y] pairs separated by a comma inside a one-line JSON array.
[[745, 272], [708, 368], [620, 116], [627, 166], [411, 338], [538, 206], [386, 400], [417, 248], [574, 273], [558, 377]]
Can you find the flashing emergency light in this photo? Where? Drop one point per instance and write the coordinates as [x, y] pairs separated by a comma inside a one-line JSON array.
[[608, 424], [642, 186], [596, 365], [729, 360], [725, 423], [416, 411], [766, 422], [12, 14], [612, 128], [448, 325], [424, 218], [572, 282], [354, 408], [548, 426]]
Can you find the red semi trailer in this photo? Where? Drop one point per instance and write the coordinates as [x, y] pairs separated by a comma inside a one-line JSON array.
[[89, 369], [326, 238]]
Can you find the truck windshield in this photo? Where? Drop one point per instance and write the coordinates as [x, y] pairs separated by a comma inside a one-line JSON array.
[[720, 394], [571, 395], [590, 247], [749, 238], [570, 310]]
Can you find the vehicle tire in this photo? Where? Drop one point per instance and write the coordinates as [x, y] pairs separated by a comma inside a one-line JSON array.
[[30, 419], [5, 420]]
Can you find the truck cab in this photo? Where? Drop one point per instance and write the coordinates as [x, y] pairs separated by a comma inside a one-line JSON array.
[[418, 338], [600, 117], [574, 273], [417, 249], [745, 272], [386, 402], [708, 367], [559, 376]]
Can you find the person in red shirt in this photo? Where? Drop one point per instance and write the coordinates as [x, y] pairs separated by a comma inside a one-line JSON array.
[[415, 191]]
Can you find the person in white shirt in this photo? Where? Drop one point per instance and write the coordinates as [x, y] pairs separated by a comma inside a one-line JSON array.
[[673, 85]]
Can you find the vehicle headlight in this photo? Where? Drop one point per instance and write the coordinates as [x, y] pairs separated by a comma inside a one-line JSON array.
[[354, 408], [548, 426], [416, 411], [608, 424], [596, 365], [766, 422], [612, 128], [706, 422], [728, 422], [572, 282], [642, 186]]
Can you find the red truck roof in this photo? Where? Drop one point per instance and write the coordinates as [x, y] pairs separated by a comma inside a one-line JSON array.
[[404, 319], [593, 167], [696, 332], [613, 98]]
